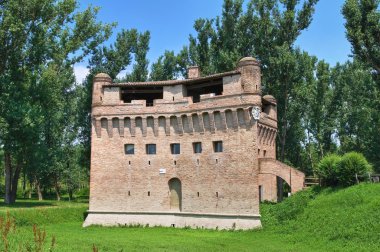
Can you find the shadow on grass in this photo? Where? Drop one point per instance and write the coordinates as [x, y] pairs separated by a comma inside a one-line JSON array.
[[26, 204], [47, 202]]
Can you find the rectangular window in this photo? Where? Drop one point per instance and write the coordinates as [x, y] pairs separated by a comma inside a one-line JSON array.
[[151, 149], [129, 149], [218, 146], [197, 147], [175, 148]]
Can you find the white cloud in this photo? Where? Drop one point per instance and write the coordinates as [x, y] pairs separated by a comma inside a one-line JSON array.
[[122, 74], [80, 73]]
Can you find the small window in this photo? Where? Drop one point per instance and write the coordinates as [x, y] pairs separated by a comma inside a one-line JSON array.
[[265, 153], [129, 149], [151, 149], [175, 148], [197, 147], [218, 146]]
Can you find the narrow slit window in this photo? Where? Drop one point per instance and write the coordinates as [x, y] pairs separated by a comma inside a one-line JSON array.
[[148, 193], [150, 149], [129, 149], [175, 148], [218, 146], [197, 147]]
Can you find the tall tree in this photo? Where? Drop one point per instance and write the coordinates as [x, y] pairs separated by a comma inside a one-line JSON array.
[[363, 30], [140, 68], [35, 34], [165, 68], [356, 104], [321, 94], [111, 60]]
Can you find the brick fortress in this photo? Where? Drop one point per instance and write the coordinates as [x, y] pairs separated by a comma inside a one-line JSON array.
[[198, 152]]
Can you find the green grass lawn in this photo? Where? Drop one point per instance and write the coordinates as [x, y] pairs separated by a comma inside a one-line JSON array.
[[313, 220]]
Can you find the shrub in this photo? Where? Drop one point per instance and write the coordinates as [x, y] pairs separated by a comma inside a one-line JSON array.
[[337, 170], [327, 169], [352, 164]]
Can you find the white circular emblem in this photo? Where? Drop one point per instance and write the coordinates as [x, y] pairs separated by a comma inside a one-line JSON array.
[[256, 112]]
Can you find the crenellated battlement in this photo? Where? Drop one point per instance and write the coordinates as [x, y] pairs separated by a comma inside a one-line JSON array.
[[171, 124]]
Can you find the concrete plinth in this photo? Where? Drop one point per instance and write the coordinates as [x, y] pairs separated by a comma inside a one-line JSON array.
[[171, 219]]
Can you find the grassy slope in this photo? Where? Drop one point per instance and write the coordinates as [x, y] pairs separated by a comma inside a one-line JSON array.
[[342, 220]]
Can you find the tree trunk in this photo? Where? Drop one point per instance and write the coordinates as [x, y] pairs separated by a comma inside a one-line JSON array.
[[56, 187], [30, 191], [70, 194], [24, 186], [39, 192], [8, 178], [284, 122], [11, 179], [309, 149], [15, 179]]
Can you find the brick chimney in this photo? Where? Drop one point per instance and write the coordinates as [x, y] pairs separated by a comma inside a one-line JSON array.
[[193, 72]]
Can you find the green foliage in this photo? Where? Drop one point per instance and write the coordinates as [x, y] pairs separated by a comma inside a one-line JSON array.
[[324, 219], [352, 164], [115, 58], [346, 170], [363, 30], [267, 30], [111, 60], [165, 68], [274, 215], [327, 169], [140, 69], [311, 220], [41, 40], [355, 109]]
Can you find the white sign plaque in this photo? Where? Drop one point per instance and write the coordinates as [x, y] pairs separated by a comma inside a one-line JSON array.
[[162, 171]]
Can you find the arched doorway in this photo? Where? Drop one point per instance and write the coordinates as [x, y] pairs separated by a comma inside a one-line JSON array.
[[175, 194], [283, 189]]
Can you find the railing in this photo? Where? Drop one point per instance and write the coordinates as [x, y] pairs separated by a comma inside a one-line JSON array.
[[374, 178], [310, 181]]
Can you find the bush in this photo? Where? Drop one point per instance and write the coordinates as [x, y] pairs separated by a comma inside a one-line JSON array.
[[352, 164], [337, 170], [327, 169]]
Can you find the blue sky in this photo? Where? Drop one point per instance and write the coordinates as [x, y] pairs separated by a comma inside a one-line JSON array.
[[171, 21]]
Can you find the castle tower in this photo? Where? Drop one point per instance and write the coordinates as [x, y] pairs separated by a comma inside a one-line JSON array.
[[250, 75], [100, 80], [184, 152]]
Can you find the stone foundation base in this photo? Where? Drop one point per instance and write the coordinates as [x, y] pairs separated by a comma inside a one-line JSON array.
[[170, 219]]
